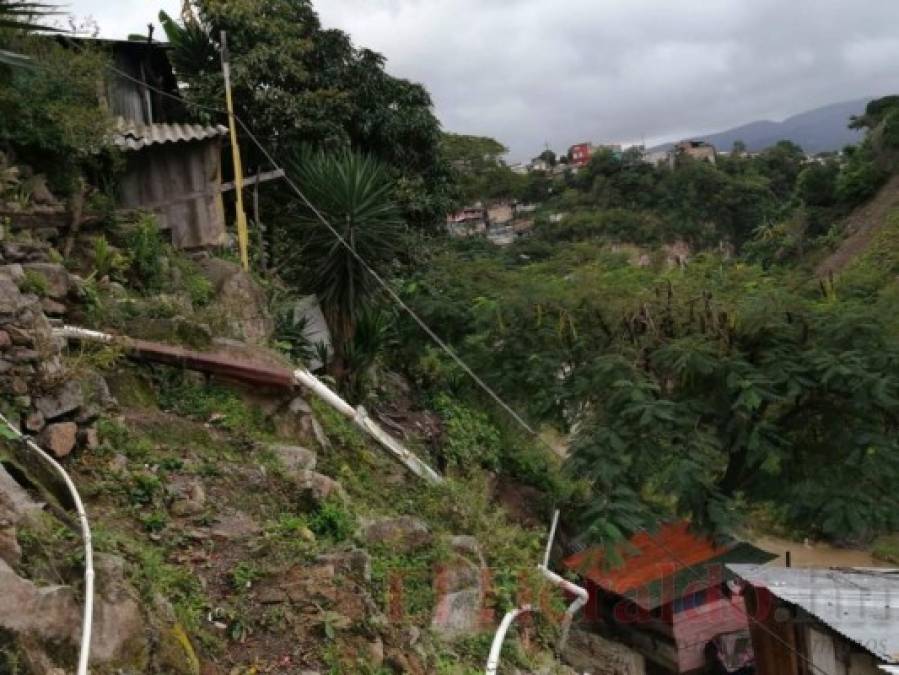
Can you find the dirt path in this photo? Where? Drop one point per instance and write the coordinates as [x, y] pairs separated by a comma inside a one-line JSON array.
[[862, 224], [816, 554]]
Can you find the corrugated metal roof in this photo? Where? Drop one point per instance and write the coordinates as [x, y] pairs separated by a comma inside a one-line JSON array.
[[134, 136], [664, 566], [859, 603]]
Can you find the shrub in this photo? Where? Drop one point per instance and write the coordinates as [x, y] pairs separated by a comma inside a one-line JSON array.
[[471, 439], [147, 252], [108, 261], [333, 521], [50, 114], [34, 282]]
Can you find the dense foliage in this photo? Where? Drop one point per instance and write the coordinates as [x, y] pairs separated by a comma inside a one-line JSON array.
[[296, 83], [732, 386], [49, 113]]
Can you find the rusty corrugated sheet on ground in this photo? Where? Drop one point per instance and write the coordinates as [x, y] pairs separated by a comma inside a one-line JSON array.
[[223, 364]]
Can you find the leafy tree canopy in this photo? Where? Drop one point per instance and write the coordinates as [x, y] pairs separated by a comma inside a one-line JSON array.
[[298, 83]]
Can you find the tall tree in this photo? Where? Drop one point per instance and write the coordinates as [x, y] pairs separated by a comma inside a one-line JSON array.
[[296, 83]]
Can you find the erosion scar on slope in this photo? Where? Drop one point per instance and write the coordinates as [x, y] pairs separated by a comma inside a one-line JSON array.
[[862, 224]]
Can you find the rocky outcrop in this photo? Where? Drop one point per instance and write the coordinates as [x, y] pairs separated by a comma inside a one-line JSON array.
[[59, 438], [295, 458], [461, 586], [403, 533], [118, 634], [48, 613], [16, 505], [587, 651], [239, 301]]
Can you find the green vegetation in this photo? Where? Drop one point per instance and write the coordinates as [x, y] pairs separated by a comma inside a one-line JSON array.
[[49, 113], [352, 192], [321, 90]]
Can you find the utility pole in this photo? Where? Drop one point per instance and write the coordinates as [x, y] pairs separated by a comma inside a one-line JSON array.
[[242, 232]]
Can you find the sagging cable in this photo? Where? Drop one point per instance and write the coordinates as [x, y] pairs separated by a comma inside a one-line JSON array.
[[88, 615]]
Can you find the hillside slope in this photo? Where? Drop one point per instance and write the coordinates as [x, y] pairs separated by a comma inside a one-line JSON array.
[[236, 530], [862, 226]]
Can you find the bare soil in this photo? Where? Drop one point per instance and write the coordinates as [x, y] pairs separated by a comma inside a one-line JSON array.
[[816, 554], [861, 226]]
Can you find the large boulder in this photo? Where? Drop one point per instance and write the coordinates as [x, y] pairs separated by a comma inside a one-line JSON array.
[[461, 586], [16, 505], [188, 495], [118, 635], [68, 398], [46, 613], [294, 457], [404, 533], [56, 276], [317, 487], [239, 301], [59, 438]]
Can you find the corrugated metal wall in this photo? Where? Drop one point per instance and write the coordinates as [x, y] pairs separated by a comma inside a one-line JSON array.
[[158, 178]]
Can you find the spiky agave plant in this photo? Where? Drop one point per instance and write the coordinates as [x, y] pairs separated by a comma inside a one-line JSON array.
[[353, 193]]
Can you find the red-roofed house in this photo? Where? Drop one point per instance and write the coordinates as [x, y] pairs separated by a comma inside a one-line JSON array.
[[670, 600], [579, 155]]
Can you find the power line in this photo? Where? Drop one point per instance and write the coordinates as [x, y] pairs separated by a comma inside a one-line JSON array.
[[368, 268]]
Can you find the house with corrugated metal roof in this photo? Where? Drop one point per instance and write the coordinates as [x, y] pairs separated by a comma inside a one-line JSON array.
[[172, 167], [671, 599], [830, 621]]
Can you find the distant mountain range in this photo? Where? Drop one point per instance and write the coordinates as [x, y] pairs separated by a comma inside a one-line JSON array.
[[817, 130]]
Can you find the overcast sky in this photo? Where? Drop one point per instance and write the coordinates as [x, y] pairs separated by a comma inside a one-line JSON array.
[[529, 72]]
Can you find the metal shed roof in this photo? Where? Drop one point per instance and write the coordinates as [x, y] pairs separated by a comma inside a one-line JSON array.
[[860, 603], [134, 136]]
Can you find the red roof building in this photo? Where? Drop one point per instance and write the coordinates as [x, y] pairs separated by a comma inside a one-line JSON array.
[[669, 600], [579, 155]]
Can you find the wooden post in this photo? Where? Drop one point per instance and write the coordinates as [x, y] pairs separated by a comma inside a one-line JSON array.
[[260, 232], [242, 233]]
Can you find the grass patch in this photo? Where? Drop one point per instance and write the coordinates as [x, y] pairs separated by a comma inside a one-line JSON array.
[[211, 403], [887, 549]]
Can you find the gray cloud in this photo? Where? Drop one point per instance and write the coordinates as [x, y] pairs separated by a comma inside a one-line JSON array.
[[562, 71]]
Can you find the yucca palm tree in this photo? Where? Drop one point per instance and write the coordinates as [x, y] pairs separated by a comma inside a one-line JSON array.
[[353, 193], [192, 49]]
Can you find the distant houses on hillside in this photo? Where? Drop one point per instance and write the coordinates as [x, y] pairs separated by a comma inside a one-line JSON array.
[[501, 222]]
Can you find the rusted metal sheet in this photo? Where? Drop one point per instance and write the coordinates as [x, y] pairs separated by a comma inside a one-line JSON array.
[[223, 365]]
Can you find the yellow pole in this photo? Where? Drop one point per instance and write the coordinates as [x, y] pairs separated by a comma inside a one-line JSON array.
[[243, 237]]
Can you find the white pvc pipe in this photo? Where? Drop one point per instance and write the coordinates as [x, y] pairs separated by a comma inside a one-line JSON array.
[[499, 638], [582, 596], [552, 536], [88, 617], [306, 379], [320, 389]]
